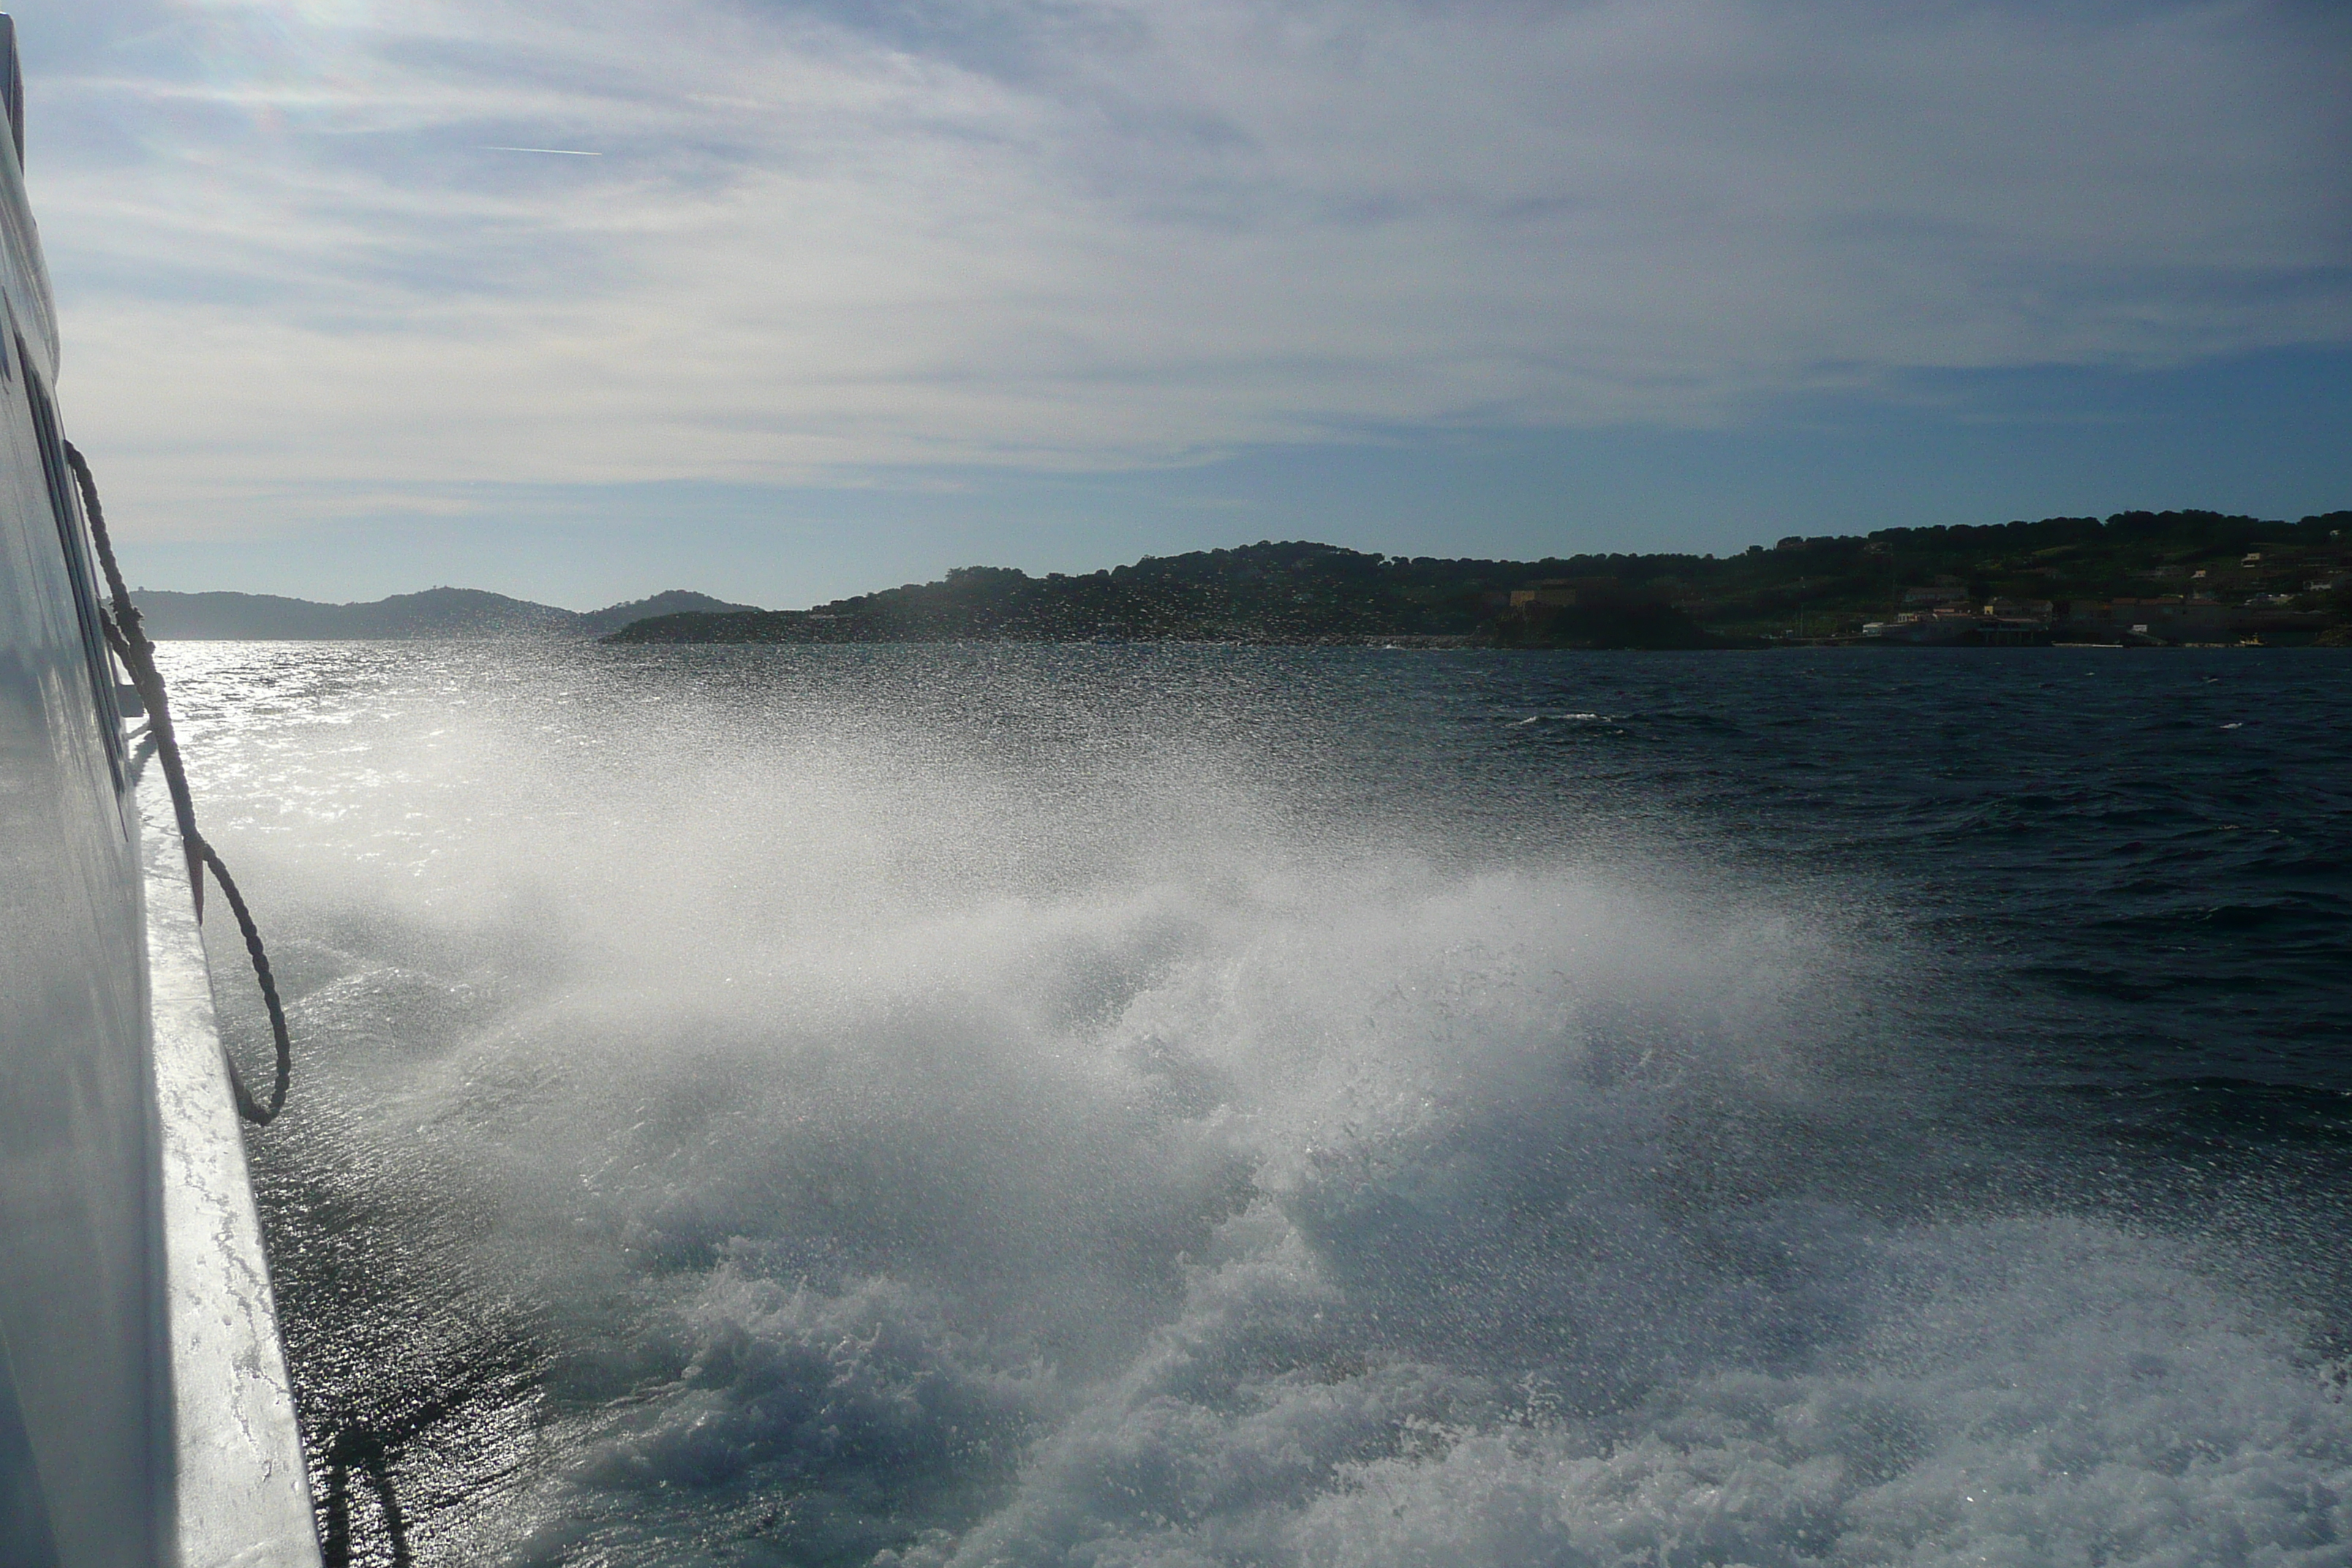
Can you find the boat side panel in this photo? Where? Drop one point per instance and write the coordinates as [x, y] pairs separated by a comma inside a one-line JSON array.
[[80, 1290], [243, 1495]]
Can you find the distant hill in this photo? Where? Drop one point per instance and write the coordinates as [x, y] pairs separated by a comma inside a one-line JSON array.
[[2248, 575], [1266, 593], [2257, 570], [435, 612], [676, 602]]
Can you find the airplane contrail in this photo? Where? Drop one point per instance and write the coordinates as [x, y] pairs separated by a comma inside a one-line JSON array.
[[553, 152]]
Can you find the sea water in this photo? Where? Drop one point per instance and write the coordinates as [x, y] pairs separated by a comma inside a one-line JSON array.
[[962, 1105]]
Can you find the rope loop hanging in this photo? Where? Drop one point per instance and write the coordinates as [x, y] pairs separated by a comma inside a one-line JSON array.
[[137, 651]]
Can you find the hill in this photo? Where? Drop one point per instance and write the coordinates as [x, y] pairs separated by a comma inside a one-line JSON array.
[[1308, 593], [435, 612], [677, 601], [1267, 592]]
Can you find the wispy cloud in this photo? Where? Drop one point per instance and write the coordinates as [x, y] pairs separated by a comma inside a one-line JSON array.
[[836, 241]]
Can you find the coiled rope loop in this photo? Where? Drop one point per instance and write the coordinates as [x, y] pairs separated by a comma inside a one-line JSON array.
[[131, 644]]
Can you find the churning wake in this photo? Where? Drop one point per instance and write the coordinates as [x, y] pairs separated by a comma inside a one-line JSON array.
[[899, 1113]]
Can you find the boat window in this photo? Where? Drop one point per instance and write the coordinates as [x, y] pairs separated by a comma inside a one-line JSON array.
[[75, 541]]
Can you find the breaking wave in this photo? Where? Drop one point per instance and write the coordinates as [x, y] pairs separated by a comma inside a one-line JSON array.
[[1039, 1139]]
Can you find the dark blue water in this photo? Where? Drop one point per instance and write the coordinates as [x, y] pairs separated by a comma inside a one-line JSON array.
[[1203, 1105], [2154, 857]]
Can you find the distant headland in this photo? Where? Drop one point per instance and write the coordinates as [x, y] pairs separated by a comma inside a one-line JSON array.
[[434, 613], [2136, 578]]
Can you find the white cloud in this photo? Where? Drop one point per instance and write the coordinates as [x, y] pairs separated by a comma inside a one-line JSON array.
[[1069, 235]]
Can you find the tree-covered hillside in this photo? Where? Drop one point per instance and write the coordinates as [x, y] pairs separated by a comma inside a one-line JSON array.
[[1304, 593], [1827, 582]]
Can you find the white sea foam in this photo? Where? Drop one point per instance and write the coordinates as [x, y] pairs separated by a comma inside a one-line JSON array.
[[922, 1157]]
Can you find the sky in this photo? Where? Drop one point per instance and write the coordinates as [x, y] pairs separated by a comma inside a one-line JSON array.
[[786, 301]]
